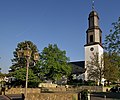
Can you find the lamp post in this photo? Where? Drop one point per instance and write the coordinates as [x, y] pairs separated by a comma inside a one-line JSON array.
[[27, 54]]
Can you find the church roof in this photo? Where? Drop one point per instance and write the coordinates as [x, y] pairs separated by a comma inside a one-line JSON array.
[[79, 63], [93, 13], [78, 67]]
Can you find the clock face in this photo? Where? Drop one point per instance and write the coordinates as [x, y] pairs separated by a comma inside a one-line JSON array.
[[91, 49]]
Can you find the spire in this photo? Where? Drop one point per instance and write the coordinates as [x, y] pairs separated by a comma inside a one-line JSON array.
[[93, 32], [93, 7]]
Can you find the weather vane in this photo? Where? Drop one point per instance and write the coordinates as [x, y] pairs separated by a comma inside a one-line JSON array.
[[93, 7]]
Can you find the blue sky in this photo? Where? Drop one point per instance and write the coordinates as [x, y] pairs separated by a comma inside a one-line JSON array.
[[61, 22]]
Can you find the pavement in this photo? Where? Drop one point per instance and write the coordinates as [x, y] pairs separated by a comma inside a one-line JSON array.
[[2, 97], [105, 96], [11, 97], [15, 96]]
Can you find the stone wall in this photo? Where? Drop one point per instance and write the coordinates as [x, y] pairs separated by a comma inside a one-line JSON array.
[[57, 93], [51, 89], [55, 89], [47, 85], [89, 88], [22, 90], [35, 94], [53, 96], [106, 89], [71, 89]]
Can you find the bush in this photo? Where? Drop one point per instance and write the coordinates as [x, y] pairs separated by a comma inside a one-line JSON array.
[[90, 83], [84, 94]]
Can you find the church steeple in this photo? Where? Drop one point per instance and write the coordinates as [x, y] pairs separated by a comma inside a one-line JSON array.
[[93, 40], [93, 31]]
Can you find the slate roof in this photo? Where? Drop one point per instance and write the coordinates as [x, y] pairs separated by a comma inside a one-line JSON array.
[[78, 67]]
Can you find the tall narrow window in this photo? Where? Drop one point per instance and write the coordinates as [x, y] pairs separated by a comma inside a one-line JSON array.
[[100, 39], [91, 38]]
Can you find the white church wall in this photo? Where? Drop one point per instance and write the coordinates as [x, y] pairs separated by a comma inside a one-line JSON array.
[[89, 51]]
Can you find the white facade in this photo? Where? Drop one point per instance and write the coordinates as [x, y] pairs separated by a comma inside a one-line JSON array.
[[88, 54], [93, 40], [95, 49]]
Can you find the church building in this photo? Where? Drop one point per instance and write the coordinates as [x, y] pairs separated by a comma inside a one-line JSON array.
[[93, 45]]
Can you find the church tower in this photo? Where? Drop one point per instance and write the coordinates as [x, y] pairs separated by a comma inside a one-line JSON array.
[[93, 38]]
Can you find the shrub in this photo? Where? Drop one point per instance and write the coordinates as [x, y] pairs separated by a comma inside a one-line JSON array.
[[84, 94]]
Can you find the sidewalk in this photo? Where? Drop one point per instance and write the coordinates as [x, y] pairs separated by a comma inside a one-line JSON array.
[[2, 97]]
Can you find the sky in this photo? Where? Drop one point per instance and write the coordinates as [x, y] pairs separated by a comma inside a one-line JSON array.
[[61, 22]]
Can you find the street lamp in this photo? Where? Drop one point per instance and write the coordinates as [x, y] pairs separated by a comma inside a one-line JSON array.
[[27, 54]]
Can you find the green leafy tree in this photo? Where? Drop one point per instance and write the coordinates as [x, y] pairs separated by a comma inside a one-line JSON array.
[[1, 74], [95, 68], [111, 73], [112, 44], [17, 62], [20, 76], [112, 41], [54, 63]]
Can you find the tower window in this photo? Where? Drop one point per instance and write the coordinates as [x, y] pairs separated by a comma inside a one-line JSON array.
[[100, 40], [91, 38]]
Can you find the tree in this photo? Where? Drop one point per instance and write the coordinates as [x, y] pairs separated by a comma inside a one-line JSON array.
[[112, 45], [111, 73], [17, 62], [95, 68], [1, 74], [18, 68], [112, 41], [54, 63], [20, 76]]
